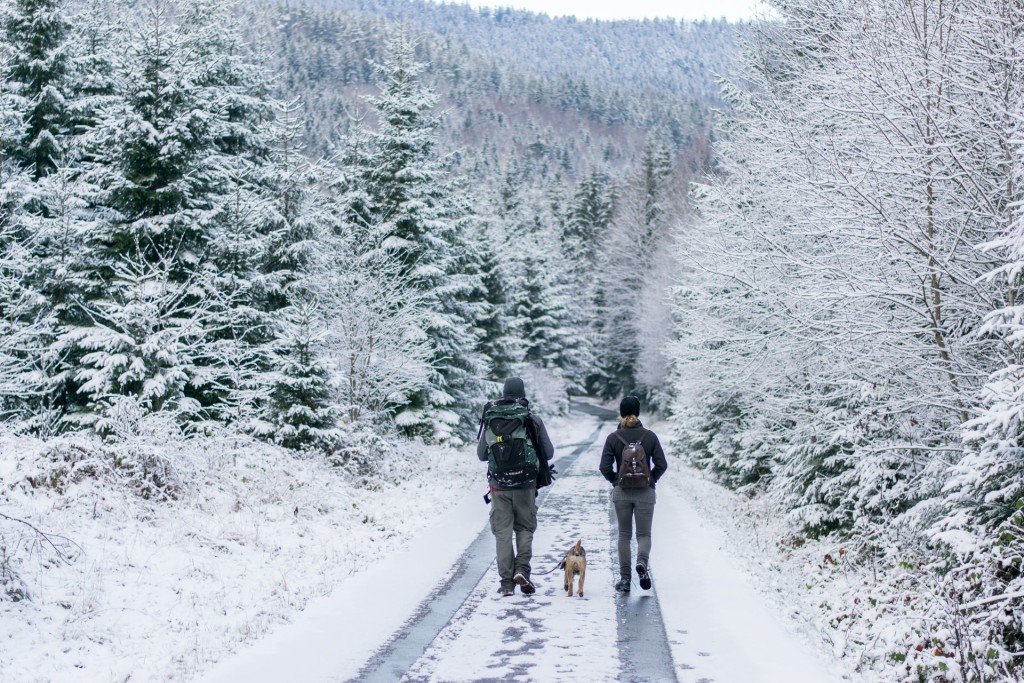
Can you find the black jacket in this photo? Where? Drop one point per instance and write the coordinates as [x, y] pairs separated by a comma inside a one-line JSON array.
[[542, 442], [612, 452]]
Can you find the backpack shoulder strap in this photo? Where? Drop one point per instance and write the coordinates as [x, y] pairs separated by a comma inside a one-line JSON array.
[[643, 435], [620, 437], [483, 413]]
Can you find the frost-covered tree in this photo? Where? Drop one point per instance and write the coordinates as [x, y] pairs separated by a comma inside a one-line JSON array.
[[988, 480], [302, 401], [36, 40], [59, 279], [173, 160], [15, 301], [266, 220], [373, 321], [853, 290], [547, 316], [404, 206], [40, 93], [631, 278], [593, 206], [498, 343]]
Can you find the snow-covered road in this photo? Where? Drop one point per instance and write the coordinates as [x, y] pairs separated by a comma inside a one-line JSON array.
[[430, 613]]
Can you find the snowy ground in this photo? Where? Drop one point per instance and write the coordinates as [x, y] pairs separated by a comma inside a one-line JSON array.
[[307, 578], [725, 621], [547, 636], [719, 622], [336, 636], [162, 591]]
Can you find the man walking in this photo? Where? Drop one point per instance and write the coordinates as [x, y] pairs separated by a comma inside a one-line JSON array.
[[518, 451]]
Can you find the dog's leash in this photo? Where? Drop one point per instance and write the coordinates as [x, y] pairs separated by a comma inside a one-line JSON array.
[[560, 565]]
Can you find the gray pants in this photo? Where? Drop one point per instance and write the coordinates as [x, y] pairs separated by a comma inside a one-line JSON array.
[[513, 511], [630, 503]]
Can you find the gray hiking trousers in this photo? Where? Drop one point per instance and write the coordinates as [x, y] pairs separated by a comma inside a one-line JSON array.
[[513, 511], [633, 504]]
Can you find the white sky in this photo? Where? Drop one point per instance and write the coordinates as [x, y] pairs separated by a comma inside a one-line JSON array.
[[632, 9]]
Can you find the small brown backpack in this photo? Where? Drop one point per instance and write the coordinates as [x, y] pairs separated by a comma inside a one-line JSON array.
[[634, 470]]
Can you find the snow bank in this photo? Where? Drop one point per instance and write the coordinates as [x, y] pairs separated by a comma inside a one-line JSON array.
[[230, 540]]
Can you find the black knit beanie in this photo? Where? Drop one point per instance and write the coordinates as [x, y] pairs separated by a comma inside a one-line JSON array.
[[630, 405], [514, 388]]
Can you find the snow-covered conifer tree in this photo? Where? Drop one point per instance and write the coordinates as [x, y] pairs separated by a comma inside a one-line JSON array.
[[404, 206], [36, 37], [40, 94], [173, 159], [547, 317], [14, 262], [497, 342], [592, 210], [302, 401]]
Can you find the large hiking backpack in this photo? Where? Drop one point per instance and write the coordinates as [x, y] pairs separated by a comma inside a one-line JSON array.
[[512, 460], [634, 470]]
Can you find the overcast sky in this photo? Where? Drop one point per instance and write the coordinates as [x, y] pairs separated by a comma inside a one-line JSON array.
[[632, 9]]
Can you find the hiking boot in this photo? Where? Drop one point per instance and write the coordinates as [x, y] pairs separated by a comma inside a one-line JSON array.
[[622, 585], [524, 584], [507, 589], [645, 576]]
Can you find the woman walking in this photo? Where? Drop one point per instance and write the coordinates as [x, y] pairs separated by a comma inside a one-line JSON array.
[[626, 463]]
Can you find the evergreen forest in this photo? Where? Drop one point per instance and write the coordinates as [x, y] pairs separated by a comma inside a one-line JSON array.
[[330, 229]]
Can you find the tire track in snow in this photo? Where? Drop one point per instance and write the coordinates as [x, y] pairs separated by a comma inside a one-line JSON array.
[[642, 640]]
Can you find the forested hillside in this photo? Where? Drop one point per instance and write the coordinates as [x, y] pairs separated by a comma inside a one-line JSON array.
[[324, 227], [851, 332], [222, 184]]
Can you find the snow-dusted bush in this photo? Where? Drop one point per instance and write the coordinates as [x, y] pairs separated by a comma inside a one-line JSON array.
[[372, 456]]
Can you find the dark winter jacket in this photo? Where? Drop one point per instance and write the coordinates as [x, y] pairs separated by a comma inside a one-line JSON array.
[[612, 452], [542, 442]]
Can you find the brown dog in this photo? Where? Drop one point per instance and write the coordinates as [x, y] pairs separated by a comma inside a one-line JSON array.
[[575, 562]]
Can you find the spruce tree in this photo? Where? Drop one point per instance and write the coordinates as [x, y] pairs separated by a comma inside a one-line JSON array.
[[14, 186], [36, 36], [300, 244], [174, 160], [405, 208], [301, 397], [260, 225], [546, 313], [593, 207], [41, 94], [498, 343]]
